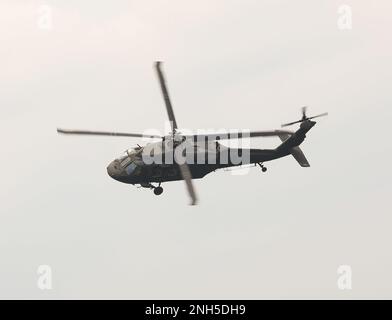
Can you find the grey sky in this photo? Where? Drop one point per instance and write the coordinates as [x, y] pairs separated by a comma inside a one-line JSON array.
[[229, 64]]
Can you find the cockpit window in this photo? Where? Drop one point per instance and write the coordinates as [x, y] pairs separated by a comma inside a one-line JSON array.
[[125, 162], [130, 156]]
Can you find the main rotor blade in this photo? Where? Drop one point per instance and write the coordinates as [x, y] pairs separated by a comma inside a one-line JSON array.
[[238, 135], [319, 115], [187, 176], [166, 97], [105, 133]]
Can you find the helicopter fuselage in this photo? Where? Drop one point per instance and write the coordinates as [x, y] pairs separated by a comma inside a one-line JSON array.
[[132, 169], [160, 161]]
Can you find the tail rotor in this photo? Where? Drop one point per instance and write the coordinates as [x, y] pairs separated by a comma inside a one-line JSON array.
[[304, 117]]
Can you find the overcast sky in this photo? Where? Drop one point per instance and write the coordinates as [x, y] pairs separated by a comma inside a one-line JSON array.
[[229, 64]]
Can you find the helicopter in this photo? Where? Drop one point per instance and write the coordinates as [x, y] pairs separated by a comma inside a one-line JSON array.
[[176, 156]]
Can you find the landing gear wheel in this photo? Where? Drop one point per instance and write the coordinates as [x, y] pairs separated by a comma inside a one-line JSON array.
[[264, 169], [158, 191]]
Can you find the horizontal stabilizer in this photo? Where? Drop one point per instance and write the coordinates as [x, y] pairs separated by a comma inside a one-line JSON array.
[[300, 157], [296, 152]]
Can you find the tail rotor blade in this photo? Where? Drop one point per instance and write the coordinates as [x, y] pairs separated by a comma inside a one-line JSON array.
[[319, 115], [304, 117], [291, 123], [304, 112]]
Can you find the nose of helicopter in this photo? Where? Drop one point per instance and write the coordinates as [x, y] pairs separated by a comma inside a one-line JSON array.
[[114, 169]]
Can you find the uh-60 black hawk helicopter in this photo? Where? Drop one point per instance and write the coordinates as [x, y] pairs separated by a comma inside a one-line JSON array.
[[135, 165]]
